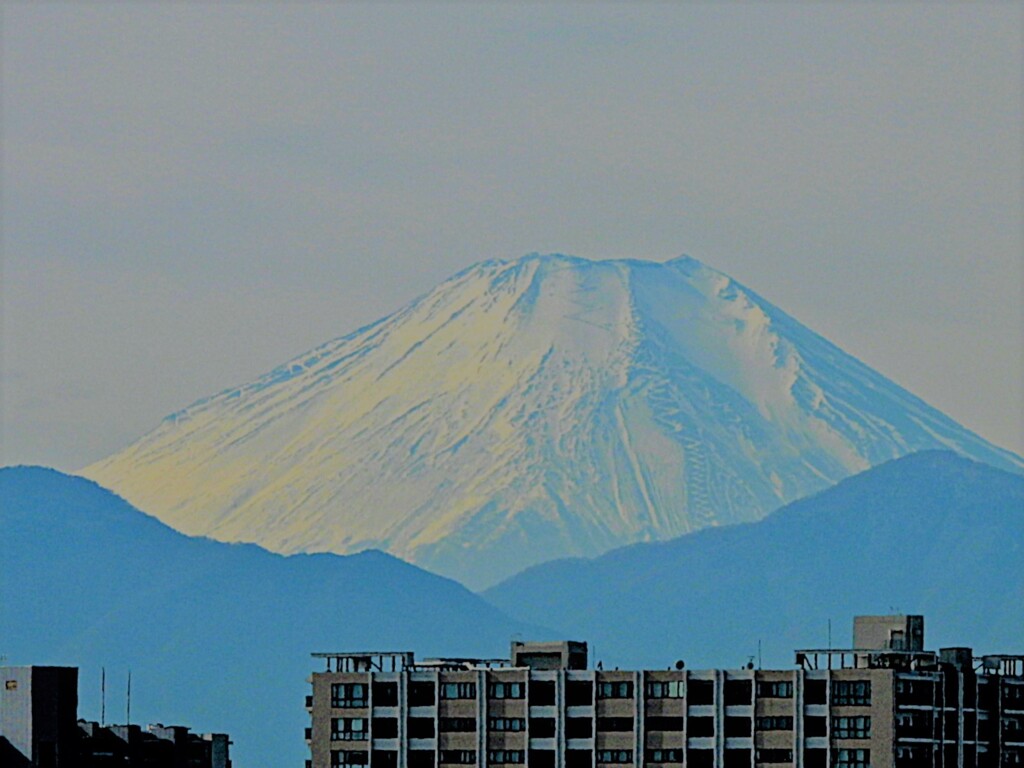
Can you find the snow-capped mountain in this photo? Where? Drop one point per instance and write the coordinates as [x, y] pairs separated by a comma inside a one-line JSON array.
[[531, 409]]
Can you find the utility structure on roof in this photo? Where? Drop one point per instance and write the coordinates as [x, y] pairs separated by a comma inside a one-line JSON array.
[[885, 703]]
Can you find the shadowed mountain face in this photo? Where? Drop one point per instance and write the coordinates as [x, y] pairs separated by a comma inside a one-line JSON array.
[[528, 410], [931, 533], [217, 636]]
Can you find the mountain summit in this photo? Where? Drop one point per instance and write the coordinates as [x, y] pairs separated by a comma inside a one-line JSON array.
[[531, 409]]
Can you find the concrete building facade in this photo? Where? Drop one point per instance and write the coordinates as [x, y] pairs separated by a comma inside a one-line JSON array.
[[885, 704]]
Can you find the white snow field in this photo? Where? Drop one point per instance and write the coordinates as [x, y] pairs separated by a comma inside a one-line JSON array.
[[531, 409]]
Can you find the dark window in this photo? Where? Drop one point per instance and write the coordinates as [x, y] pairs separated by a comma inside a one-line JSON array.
[[421, 694], [737, 758], [700, 758], [775, 689], [913, 725], [385, 728], [851, 727], [542, 758], [851, 758], [814, 692], [910, 691], [815, 758], [579, 758], [851, 693], [701, 692], [385, 694], [348, 729], [738, 692], [1013, 696], [664, 724], [506, 756], [778, 723], [916, 756], [614, 724], [383, 758], [815, 726], [579, 728], [542, 694], [542, 728], [988, 693], [666, 689], [506, 690], [421, 758], [775, 755], [664, 755], [579, 693], [345, 758], [700, 727], [421, 727], [737, 726], [615, 756], [622, 689], [458, 756], [455, 725], [348, 695], [514, 724], [458, 691]]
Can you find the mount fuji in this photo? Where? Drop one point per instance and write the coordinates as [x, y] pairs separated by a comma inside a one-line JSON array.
[[531, 409]]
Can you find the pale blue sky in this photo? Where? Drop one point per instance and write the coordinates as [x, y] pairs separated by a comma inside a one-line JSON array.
[[193, 193]]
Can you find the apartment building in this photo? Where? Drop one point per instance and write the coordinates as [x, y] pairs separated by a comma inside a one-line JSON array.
[[884, 703]]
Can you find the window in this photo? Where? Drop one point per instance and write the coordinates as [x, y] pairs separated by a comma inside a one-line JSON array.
[[346, 758], [738, 692], [421, 694], [579, 728], [383, 758], [622, 689], [775, 755], [1013, 696], [738, 758], [506, 756], [579, 693], [851, 727], [775, 689], [458, 691], [815, 758], [542, 693], [914, 691], [615, 756], [664, 755], [737, 727], [851, 758], [542, 758], [421, 727], [542, 727], [776, 723], [815, 726], [665, 689], [348, 695], [700, 727], [614, 724], [385, 728], [348, 729], [514, 724], [504, 691], [851, 693], [385, 694], [700, 758], [458, 756], [702, 692], [456, 724], [664, 724], [814, 692], [421, 758], [579, 758]]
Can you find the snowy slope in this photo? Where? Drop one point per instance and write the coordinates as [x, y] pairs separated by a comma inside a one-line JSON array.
[[532, 409]]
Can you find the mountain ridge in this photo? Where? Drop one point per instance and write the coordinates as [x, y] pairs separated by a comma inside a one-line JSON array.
[[527, 409]]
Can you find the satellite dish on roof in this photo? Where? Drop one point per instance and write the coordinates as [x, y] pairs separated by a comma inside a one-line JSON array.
[[680, 664]]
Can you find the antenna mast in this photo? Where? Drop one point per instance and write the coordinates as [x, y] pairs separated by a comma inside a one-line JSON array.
[[128, 714], [103, 695]]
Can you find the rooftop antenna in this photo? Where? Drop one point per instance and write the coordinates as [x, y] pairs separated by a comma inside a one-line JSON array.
[[128, 713], [759, 653], [103, 695], [830, 634]]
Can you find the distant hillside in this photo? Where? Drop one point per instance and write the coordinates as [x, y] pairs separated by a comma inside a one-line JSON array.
[[532, 409], [217, 636], [931, 533]]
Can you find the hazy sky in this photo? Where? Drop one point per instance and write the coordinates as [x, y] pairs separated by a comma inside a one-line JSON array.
[[194, 193]]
